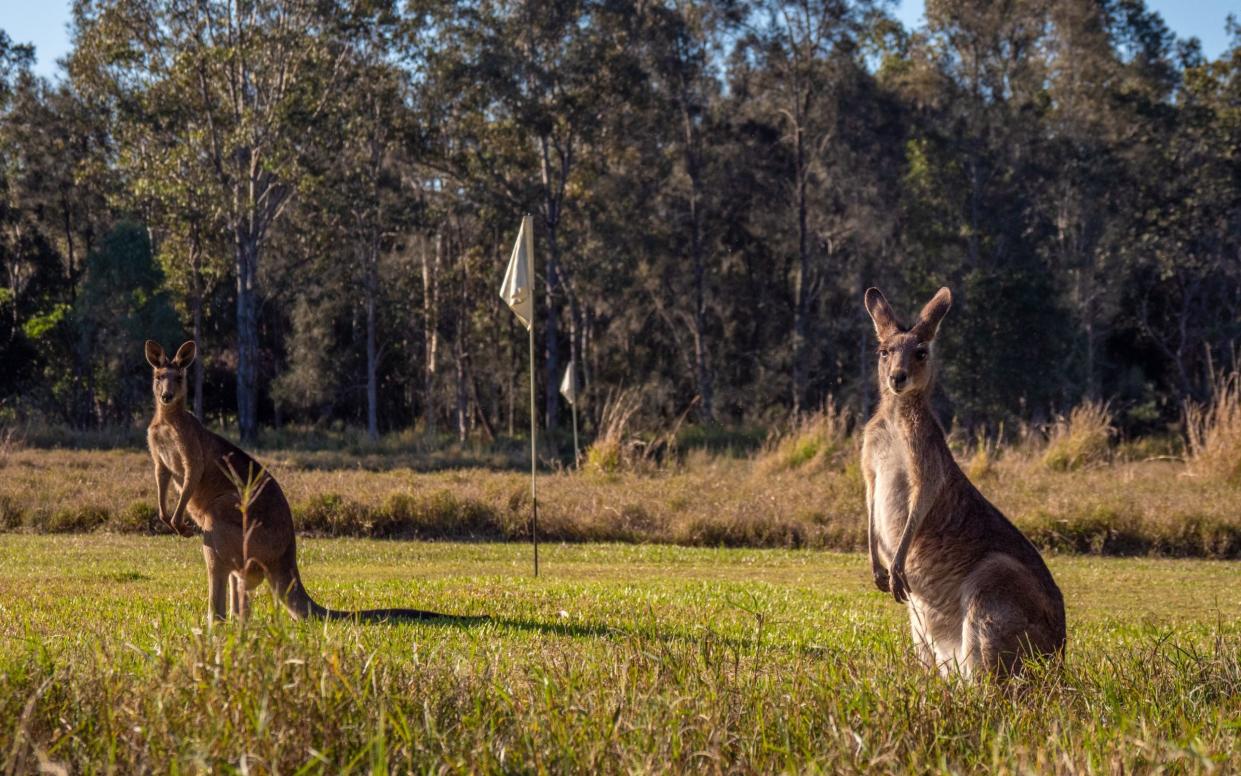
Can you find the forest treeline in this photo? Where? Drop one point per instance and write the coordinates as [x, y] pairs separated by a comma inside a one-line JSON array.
[[324, 193]]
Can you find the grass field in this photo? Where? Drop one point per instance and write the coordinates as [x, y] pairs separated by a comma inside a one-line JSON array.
[[621, 658]]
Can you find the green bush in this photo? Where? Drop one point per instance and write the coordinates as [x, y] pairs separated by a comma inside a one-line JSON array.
[[11, 514], [138, 517], [77, 519]]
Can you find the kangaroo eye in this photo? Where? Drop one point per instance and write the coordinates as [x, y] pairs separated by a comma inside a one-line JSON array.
[[921, 354], [883, 353]]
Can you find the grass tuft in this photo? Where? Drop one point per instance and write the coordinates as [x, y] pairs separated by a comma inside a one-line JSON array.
[[615, 449], [1214, 432], [1083, 439], [819, 442], [982, 460]]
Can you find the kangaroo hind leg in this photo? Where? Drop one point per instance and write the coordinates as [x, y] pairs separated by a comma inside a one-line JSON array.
[[217, 585], [239, 587], [995, 632]]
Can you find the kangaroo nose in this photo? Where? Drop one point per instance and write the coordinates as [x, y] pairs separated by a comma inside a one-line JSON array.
[[898, 379]]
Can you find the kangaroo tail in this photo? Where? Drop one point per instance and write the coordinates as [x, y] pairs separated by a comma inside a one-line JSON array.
[[293, 594]]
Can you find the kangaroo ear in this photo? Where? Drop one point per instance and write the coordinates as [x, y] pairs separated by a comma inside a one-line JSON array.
[[185, 355], [156, 356], [932, 314], [881, 313]]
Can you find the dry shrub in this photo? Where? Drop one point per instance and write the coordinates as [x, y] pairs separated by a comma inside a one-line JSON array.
[[820, 441], [1083, 439], [1214, 432]]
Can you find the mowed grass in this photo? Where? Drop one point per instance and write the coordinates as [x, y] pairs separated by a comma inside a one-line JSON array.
[[620, 658]]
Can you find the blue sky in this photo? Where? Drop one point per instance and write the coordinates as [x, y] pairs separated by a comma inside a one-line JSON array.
[[44, 23]]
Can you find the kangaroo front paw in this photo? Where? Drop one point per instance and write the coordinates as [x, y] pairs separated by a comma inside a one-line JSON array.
[[881, 579], [181, 528], [899, 585]]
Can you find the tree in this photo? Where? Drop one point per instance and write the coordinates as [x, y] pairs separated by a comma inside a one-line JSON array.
[[806, 50], [254, 77]]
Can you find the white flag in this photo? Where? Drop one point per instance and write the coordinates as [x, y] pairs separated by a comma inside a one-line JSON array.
[[568, 386], [517, 291]]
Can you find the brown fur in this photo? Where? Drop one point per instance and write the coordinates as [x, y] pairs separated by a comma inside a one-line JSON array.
[[185, 451], [980, 597]]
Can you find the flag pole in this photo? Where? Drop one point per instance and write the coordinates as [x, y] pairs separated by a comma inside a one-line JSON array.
[[577, 456], [534, 459], [517, 291]]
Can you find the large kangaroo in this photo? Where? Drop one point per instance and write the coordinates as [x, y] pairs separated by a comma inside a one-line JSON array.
[[199, 460], [980, 597]]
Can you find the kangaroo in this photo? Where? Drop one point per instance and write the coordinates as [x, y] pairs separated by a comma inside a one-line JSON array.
[[182, 448], [981, 600]]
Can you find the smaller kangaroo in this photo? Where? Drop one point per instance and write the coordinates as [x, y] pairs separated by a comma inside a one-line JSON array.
[[980, 597], [183, 448]]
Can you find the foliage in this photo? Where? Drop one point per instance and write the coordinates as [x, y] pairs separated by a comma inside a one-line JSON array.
[[714, 185]]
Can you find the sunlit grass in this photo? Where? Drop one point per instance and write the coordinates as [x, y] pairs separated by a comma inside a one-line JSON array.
[[620, 658]]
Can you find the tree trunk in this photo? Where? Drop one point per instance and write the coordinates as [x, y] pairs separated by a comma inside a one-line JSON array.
[[460, 346], [430, 328], [247, 336], [800, 281], [196, 301], [371, 283], [551, 337], [463, 405], [702, 370]]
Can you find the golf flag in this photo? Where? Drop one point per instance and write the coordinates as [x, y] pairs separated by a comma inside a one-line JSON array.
[[517, 290], [568, 386], [568, 389]]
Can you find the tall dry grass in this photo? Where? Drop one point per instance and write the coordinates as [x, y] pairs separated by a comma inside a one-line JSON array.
[[1214, 432], [10, 441], [804, 489], [986, 451], [615, 448], [1082, 439]]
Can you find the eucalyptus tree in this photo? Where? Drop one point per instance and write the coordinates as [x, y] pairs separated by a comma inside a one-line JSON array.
[[253, 77], [797, 56], [527, 87], [370, 126], [688, 40]]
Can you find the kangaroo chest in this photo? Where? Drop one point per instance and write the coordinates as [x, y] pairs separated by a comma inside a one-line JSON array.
[[890, 459], [163, 440]]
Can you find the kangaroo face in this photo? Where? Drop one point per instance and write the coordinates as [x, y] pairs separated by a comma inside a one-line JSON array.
[[169, 383], [905, 353], [904, 363]]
